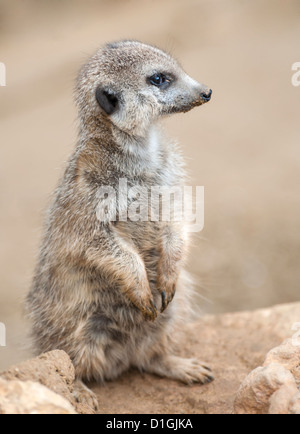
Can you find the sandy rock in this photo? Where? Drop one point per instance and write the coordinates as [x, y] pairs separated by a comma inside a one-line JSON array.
[[286, 400], [273, 388], [255, 392], [295, 404], [53, 370], [26, 397], [287, 355]]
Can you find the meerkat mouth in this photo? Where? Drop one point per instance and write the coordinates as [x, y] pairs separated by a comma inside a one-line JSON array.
[[187, 107]]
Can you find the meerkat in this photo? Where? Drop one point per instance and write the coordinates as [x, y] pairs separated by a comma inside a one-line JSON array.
[[111, 293]]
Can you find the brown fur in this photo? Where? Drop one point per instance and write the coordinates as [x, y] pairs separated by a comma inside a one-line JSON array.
[[103, 292]]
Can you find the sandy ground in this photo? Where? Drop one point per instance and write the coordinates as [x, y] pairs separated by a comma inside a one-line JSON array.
[[243, 146], [219, 341]]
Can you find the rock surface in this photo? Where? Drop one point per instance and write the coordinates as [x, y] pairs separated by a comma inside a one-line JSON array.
[[259, 387], [234, 345], [273, 389], [27, 397], [285, 401], [55, 371]]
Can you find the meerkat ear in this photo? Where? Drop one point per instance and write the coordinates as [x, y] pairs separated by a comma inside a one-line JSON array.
[[107, 100]]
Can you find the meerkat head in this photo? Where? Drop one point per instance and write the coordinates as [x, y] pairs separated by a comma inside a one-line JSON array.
[[132, 84]]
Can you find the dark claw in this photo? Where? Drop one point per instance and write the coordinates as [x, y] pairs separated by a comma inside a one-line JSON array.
[[210, 379], [170, 298], [152, 309], [163, 298]]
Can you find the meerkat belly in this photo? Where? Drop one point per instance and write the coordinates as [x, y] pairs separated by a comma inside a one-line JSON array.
[[118, 329]]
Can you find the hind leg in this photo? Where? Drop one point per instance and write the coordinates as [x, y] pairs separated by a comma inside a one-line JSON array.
[[99, 351], [155, 356], [100, 364], [83, 395], [188, 371]]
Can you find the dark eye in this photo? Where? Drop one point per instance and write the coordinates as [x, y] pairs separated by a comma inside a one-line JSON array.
[[159, 80]]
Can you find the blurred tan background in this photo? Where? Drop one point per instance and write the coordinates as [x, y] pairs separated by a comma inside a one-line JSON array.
[[243, 146]]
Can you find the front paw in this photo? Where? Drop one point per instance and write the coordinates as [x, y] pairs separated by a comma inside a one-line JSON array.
[[148, 310], [167, 294], [194, 371]]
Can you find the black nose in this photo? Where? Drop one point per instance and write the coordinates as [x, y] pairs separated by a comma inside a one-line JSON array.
[[206, 96]]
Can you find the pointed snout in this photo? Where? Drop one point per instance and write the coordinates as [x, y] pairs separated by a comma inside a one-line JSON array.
[[189, 95], [206, 96]]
